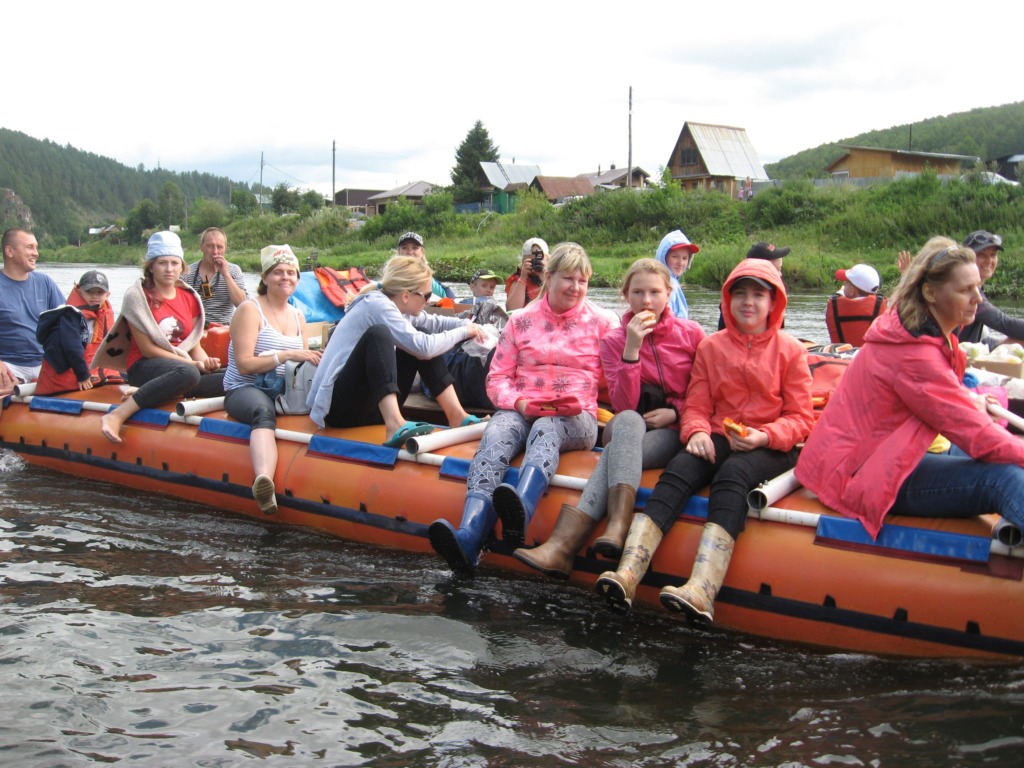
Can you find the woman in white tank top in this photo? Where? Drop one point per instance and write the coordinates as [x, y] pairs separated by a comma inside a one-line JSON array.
[[266, 332]]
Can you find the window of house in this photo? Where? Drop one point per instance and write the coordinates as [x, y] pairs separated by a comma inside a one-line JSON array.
[[688, 156]]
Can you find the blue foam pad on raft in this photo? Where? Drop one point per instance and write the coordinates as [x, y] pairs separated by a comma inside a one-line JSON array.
[[151, 417], [222, 428], [311, 301], [940, 544], [351, 450], [458, 469], [697, 506], [56, 405]]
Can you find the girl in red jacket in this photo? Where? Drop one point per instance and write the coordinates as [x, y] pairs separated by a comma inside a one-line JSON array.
[[750, 373], [646, 362]]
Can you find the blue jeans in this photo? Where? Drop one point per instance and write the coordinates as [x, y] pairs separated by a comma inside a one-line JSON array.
[[955, 485]]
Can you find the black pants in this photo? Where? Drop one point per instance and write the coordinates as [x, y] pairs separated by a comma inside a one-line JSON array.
[[733, 475], [374, 370], [161, 379]]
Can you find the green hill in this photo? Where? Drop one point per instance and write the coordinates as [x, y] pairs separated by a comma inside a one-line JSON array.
[[987, 132], [68, 190]]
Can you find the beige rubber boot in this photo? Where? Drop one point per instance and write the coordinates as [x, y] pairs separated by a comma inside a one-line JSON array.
[[697, 596], [621, 500], [556, 555], [618, 587]]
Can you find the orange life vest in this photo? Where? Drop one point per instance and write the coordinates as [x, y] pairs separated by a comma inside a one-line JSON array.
[[51, 382], [849, 319], [340, 286]]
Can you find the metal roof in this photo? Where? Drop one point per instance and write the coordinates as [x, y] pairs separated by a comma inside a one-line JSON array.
[[412, 189], [558, 187], [912, 153], [500, 175], [727, 151]]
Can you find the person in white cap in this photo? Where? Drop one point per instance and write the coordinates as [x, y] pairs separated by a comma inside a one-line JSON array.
[[156, 338], [523, 285], [852, 309]]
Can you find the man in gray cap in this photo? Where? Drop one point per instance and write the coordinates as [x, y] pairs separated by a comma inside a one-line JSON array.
[[986, 247]]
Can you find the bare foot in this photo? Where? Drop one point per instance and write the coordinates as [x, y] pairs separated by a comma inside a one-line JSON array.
[[110, 431]]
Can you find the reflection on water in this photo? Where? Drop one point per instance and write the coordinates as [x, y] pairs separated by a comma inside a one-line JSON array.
[[144, 629]]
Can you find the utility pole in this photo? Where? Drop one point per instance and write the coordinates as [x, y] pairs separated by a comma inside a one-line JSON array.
[[261, 183], [629, 170], [334, 158]]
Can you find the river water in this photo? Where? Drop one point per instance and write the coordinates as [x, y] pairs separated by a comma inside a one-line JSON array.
[[144, 630]]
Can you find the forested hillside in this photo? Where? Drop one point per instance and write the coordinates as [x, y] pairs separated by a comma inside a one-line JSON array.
[[68, 190], [987, 132]]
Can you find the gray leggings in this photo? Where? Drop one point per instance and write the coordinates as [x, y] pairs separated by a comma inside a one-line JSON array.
[[508, 432], [629, 449]]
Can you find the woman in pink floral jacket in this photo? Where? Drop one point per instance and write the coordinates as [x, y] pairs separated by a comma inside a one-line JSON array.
[[543, 379]]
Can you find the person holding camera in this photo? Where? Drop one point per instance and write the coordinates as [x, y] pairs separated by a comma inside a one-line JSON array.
[[523, 285], [218, 282]]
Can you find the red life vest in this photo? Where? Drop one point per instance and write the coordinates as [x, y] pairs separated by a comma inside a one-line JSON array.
[[849, 319], [50, 382], [340, 286]]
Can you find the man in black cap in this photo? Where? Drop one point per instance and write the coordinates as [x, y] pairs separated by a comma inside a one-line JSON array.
[[986, 247]]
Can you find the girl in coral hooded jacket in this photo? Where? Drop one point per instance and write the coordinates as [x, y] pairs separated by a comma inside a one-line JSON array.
[[752, 376]]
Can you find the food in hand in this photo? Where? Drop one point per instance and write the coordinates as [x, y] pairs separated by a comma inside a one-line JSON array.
[[737, 428]]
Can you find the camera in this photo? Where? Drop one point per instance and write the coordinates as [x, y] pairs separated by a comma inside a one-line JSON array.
[[537, 262]]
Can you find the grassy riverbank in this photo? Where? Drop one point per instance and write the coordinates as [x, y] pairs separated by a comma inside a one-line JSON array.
[[827, 229]]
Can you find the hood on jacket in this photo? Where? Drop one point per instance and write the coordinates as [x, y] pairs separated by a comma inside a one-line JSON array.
[[762, 270]]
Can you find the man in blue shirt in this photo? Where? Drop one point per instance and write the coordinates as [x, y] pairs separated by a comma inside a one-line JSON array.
[[24, 295]]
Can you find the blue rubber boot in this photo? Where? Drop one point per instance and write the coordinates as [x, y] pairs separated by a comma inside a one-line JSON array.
[[460, 547], [515, 505]]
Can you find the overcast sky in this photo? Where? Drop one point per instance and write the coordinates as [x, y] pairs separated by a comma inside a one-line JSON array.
[[209, 86]]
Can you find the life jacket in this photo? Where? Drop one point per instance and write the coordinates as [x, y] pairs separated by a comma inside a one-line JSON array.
[[848, 319], [340, 286], [827, 368], [52, 382]]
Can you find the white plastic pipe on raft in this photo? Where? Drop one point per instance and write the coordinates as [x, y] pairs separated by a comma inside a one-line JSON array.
[[25, 390], [769, 492], [200, 406], [1010, 416], [443, 438]]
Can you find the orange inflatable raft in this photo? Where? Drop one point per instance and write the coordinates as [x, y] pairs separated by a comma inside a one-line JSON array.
[[927, 587]]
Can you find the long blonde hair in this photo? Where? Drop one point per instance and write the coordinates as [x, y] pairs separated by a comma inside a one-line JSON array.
[[933, 265], [401, 273], [567, 258]]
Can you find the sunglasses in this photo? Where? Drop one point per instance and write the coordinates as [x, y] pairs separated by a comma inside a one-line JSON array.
[[984, 239], [424, 296]]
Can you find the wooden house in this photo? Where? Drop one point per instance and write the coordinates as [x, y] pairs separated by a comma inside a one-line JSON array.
[[617, 178], [414, 192], [560, 189], [878, 163], [714, 157], [356, 200]]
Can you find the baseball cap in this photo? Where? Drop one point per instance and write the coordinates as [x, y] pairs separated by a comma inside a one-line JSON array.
[[417, 238], [483, 274], [767, 251], [273, 255], [93, 279], [164, 244], [980, 240], [528, 246], [751, 278], [861, 275]]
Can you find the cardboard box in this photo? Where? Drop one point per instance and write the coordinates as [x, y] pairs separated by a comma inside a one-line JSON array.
[[319, 331], [1000, 365]]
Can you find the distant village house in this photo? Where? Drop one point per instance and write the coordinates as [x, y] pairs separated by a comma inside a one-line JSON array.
[[878, 163], [715, 157], [413, 192]]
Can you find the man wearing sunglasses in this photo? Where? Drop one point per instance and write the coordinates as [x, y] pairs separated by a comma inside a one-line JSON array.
[[986, 247], [523, 285]]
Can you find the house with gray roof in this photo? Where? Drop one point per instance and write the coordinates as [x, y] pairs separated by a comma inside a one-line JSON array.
[[616, 178], [414, 192], [500, 182], [718, 157]]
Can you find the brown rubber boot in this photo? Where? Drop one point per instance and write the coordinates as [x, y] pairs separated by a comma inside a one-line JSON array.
[[556, 555], [697, 596], [621, 500], [618, 587]]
